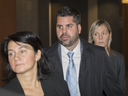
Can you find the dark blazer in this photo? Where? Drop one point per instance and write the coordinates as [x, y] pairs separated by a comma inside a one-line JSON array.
[[118, 64], [95, 74], [51, 87]]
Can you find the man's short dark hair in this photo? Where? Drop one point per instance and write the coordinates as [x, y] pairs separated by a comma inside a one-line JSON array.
[[69, 11]]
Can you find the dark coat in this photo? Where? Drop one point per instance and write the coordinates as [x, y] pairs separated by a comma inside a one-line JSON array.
[[51, 87], [118, 64], [95, 74]]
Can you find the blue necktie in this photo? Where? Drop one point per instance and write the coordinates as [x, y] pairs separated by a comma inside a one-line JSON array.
[[71, 75]]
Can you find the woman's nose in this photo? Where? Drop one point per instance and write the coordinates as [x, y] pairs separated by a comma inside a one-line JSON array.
[[100, 36], [16, 57]]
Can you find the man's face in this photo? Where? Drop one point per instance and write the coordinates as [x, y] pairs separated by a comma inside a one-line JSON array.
[[67, 31]]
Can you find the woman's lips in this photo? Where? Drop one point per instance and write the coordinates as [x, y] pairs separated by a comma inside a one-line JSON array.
[[18, 64], [101, 42]]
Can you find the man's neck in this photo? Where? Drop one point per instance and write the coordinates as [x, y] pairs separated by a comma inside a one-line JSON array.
[[73, 46]]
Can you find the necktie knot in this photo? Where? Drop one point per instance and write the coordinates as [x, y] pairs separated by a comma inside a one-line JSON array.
[[70, 54]]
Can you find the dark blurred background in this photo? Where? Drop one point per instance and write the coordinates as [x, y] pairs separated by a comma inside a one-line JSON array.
[[39, 16]]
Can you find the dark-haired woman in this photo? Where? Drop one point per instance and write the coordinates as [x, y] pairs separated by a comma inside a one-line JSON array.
[[28, 69]]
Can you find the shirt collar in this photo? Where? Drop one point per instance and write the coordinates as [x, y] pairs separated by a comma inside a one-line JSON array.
[[76, 50]]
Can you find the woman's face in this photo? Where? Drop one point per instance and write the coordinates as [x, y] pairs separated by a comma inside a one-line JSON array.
[[22, 57], [101, 36]]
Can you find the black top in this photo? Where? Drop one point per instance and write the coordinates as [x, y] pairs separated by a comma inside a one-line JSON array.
[[52, 87]]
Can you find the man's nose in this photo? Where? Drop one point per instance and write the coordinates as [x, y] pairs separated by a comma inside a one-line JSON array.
[[64, 29]]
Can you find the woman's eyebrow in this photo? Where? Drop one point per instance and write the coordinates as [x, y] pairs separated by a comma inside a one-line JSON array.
[[10, 50], [21, 46], [24, 46]]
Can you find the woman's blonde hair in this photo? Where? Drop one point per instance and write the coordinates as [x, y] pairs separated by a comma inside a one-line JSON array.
[[94, 26]]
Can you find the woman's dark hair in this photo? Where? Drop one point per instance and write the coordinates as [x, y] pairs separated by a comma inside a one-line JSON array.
[[33, 40], [69, 11]]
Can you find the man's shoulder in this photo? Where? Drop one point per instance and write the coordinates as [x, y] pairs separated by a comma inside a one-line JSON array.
[[92, 48], [52, 48]]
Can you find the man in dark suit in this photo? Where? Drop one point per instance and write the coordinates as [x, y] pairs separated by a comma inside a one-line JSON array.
[[92, 66]]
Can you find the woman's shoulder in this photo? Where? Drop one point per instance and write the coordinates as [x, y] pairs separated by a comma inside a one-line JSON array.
[[118, 58], [10, 84], [117, 54], [12, 88], [6, 92]]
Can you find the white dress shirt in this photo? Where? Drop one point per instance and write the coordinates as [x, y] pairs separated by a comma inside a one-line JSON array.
[[76, 58]]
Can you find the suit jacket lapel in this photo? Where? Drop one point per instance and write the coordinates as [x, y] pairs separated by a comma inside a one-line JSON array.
[[84, 51], [56, 59]]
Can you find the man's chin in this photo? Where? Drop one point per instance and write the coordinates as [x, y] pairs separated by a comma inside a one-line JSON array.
[[66, 44]]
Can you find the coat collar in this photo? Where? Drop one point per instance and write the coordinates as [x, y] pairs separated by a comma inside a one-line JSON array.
[[55, 58], [85, 49]]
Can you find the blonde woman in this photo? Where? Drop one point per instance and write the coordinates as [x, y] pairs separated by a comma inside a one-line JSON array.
[[100, 34]]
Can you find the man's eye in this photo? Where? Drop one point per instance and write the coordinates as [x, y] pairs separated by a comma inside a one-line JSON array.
[[59, 26], [69, 26]]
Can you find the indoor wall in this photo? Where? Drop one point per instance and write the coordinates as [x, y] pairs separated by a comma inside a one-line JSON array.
[[7, 26]]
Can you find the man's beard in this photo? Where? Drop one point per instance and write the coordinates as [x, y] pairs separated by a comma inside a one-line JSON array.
[[71, 41]]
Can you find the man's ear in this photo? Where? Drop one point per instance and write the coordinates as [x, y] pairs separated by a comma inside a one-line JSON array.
[[79, 28]]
